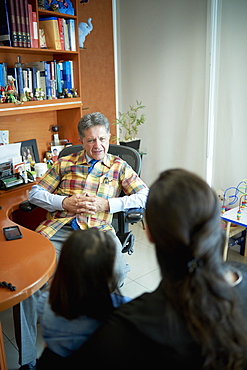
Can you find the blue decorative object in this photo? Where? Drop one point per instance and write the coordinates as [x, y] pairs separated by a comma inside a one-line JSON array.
[[61, 6], [84, 30]]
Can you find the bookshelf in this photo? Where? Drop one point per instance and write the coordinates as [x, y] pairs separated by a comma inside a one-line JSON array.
[[33, 119]]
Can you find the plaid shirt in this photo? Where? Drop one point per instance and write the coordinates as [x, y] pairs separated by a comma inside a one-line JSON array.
[[69, 176]]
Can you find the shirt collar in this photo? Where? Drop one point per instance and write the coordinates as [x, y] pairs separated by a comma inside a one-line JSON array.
[[106, 160]]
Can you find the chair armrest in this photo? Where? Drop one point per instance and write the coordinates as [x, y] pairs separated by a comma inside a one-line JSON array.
[[134, 215], [26, 206]]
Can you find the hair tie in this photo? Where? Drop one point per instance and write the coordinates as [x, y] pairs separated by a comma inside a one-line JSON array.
[[194, 264]]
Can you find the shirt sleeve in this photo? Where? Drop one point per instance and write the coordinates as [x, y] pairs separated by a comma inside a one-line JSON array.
[[42, 198], [137, 200]]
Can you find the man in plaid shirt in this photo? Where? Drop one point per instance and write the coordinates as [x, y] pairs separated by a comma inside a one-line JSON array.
[[80, 194]]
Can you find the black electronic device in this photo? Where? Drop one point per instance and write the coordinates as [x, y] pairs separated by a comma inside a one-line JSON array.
[[7, 177], [12, 233], [10, 182], [6, 170]]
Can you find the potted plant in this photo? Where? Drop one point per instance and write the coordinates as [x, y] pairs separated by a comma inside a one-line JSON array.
[[129, 123]]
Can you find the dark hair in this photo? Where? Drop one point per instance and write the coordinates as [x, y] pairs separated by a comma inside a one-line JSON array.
[[90, 120], [84, 277], [183, 217]]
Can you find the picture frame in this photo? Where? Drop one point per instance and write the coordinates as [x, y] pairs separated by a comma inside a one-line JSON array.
[[29, 151], [56, 149]]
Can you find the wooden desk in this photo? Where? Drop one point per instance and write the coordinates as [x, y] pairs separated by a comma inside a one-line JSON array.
[[26, 263]]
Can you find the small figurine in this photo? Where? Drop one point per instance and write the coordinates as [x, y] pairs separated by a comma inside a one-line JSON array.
[[48, 158], [55, 129], [65, 93], [55, 7], [3, 98], [41, 4], [60, 95], [84, 30], [62, 6], [11, 98], [74, 92]]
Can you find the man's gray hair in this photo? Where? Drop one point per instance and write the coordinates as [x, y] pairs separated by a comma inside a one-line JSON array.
[[90, 120]]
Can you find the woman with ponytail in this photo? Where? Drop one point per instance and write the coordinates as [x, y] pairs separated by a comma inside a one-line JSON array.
[[197, 317]]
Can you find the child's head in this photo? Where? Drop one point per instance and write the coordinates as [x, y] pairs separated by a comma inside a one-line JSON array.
[[84, 277]]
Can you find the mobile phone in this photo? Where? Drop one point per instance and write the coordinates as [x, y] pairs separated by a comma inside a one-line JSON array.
[[12, 233]]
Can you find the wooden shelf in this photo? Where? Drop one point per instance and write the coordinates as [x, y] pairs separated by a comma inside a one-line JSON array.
[[10, 109], [10, 49], [48, 13], [33, 119]]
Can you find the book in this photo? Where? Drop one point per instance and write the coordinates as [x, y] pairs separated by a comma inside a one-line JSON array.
[[66, 35], [18, 23], [5, 74], [13, 25], [34, 78], [59, 79], [27, 80], [23, 23], [71, 32], [53, 70], [5, 33], [48, 80], [72, 73], [41, 74], [67, 75], [30, 17], [20, 82], [26, 17], [1, 77], [42, 39], [50, 26], [35, 31], [61, 33]]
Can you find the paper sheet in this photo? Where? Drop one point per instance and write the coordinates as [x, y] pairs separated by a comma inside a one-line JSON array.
[[10, 152]]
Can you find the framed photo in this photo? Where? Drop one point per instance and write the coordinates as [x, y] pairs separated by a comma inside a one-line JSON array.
[[29, 151], [4, 137], [56, 149]]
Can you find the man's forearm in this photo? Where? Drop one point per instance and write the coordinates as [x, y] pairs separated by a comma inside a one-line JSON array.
[[42, 198], [126, 202]]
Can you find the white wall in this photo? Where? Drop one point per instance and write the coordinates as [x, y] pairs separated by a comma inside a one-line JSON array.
[[164, 60], [231, 114]]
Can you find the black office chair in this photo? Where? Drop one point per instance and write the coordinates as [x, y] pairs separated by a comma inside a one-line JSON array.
[[121, 220]]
